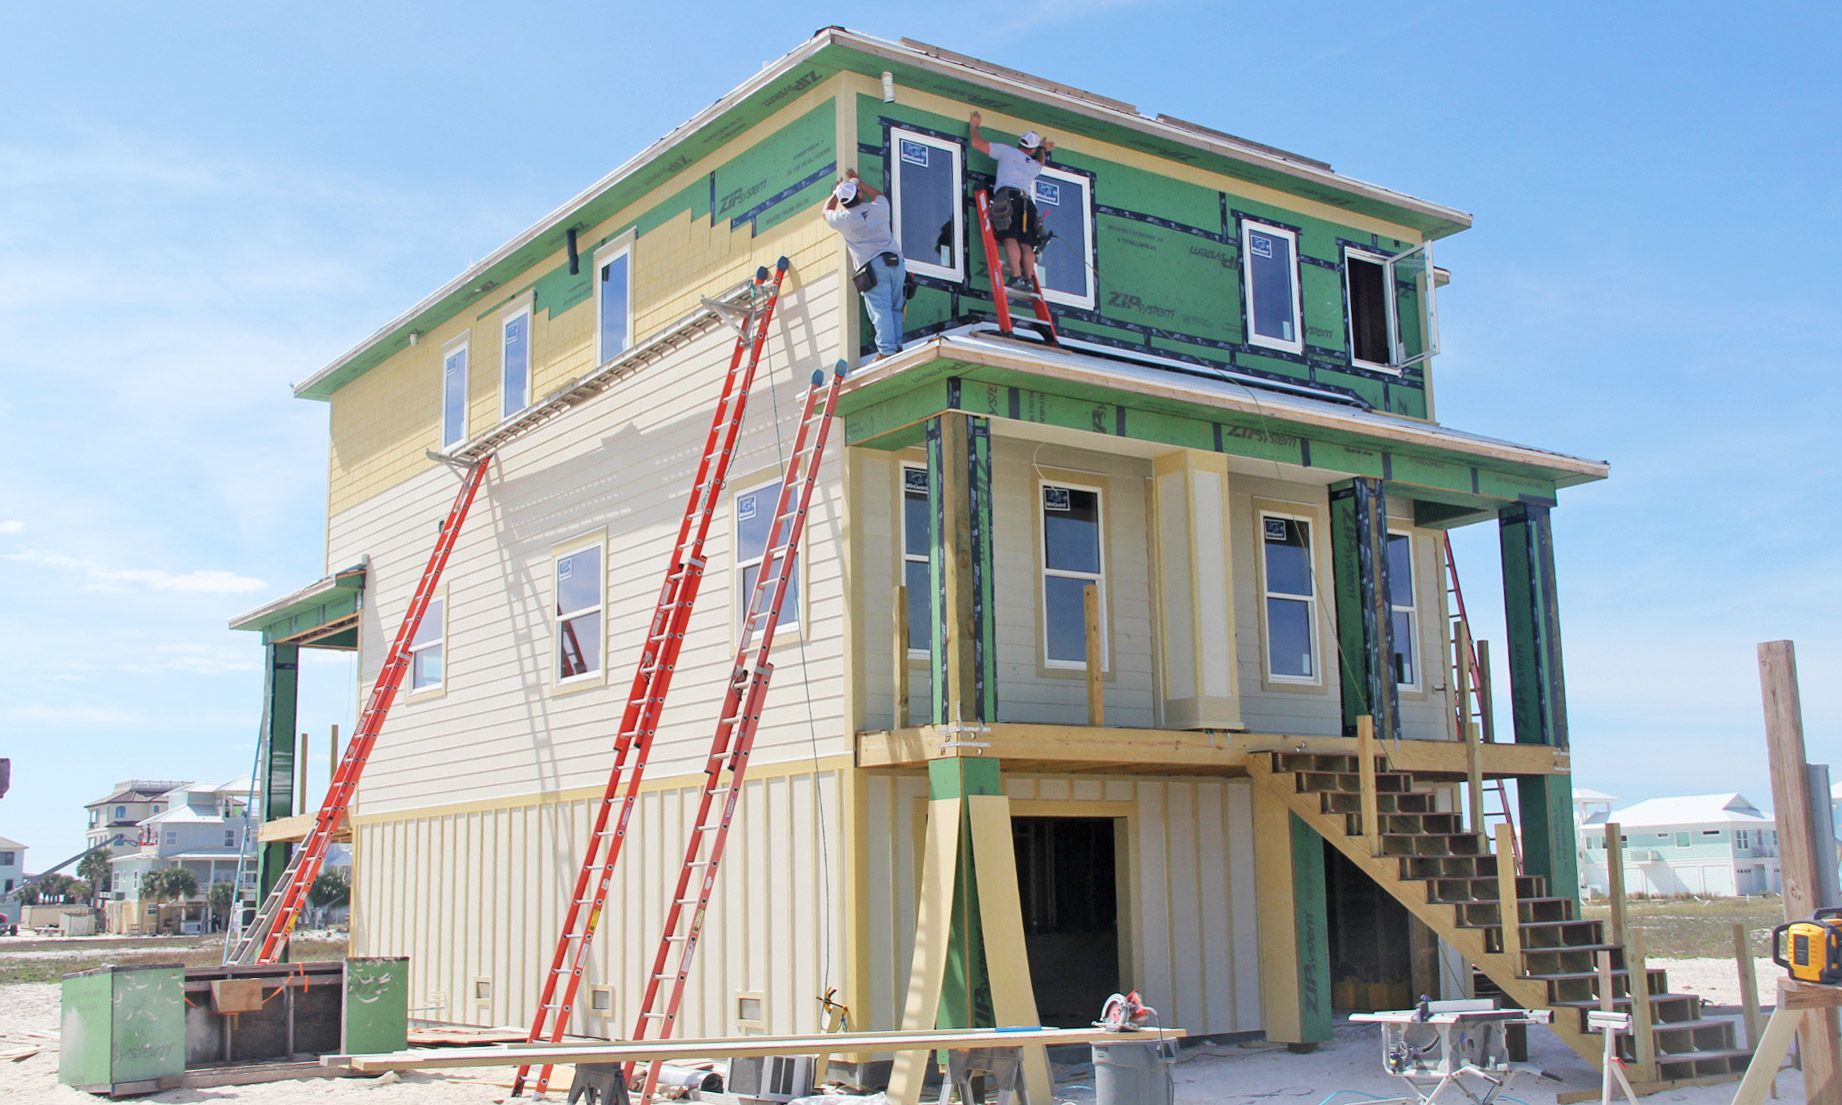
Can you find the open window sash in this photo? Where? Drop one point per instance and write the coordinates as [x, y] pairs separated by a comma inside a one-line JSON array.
[[1411, 276]]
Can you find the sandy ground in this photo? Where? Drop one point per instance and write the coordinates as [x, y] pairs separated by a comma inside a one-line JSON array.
[[1246, 1074]]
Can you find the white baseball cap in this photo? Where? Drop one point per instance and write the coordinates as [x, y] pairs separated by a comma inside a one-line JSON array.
[[846, 191], [1030, 140]]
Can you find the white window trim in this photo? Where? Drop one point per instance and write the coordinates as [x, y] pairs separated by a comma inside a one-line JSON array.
[[957, 273], [799, 563], [1248, 226], [904, 558], [605, 256], [1086, 184], [1099, 580], [1314, 601], [460, 345], [441, 596], [509, 316], [1349, 309], [598, 673], [1413, 611]]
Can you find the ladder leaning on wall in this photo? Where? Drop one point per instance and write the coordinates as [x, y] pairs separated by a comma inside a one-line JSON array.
[[1001, 292], [1474, 708]]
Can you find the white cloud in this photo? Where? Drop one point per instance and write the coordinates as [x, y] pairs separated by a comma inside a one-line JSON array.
[[194, 660], [41, 713], [199, 581], [11, 525]]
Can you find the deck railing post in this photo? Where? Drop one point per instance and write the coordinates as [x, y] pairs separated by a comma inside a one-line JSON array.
[[1096, 692], [1509, 908], [1365, 774], [900, 720]]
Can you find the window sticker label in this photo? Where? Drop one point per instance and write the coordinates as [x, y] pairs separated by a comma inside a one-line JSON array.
[[1056, 498], [1049, 192], [1275, 529], [914, 479], [565, 567], [1260, 244], [915, 153], [745, 508]]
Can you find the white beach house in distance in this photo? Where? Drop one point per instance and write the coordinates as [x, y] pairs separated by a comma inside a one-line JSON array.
[[1706, 845]]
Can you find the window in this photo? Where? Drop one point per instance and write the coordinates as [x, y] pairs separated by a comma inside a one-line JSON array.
[[917, 535], [1682, 840], [121, 812], [1404, 629], [230, 838], [1270, 275], [1072, 559], [1291, 600], [754, 517], [172, 836], [515, 376], [454, 395], [427, 649], [1065, 203], [927, 192], [1375, 287], [1742, 839], [578, 613], [613, 300], [8, 859]]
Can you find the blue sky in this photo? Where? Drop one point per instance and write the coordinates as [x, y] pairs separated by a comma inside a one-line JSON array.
[[202, 203]]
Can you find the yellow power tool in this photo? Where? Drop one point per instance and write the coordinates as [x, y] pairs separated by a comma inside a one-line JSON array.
[[1811, 950]]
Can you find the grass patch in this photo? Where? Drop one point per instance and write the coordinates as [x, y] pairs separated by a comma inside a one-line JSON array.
[[51, 960], [1687, 928]]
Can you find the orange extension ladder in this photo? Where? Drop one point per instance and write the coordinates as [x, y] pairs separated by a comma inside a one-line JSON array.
[[652, 679], [267, 936], [1001, 293], [1474, 710]]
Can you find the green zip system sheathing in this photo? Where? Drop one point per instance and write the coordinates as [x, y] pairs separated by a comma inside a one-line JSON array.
[[1365, 646]]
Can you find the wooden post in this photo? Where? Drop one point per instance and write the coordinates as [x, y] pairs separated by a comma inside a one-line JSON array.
[[1615, 881], [1638, 974], [300, 757], [1749, 984], [1606, 985], [1486, 705], [1784, 738], [1509, 909], [1096, 693], [332, 758], [1474, 780], [1461, 679], [1365, 774], [900, 721]]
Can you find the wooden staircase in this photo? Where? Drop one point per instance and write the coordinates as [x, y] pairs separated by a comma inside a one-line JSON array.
[[1446, 877]]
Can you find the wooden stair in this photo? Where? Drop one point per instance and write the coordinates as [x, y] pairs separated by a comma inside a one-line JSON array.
[[1447, 878]]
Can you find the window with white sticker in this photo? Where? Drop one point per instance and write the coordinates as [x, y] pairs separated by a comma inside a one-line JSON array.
[[427, 650], [515, 376], [1065, 206], [454, 395], [754, 518], [927, 194], [1269, 275], [579, 581], [613, 301], [1290, 597], [1073, 559], [916, 575], [1404, 627]]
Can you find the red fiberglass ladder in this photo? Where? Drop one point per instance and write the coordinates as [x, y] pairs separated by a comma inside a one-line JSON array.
[[267, 936], [1474, 710], [727, 766], [1001, 293], [652, 679]]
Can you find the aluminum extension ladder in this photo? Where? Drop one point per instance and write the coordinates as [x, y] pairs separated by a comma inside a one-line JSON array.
[[267, 936], [1002, 293], [651, 679]]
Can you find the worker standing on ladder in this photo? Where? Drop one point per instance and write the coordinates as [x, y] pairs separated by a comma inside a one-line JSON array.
[[1013, 206], [860, 214]]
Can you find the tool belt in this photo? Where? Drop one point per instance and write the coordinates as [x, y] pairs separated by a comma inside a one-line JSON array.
[[1004, 205], [865, 277]]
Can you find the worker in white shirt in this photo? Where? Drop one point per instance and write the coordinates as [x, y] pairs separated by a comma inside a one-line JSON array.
[[860, 214], [1013, 206]]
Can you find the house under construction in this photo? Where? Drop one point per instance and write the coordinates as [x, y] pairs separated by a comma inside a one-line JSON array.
[[1153, 574]]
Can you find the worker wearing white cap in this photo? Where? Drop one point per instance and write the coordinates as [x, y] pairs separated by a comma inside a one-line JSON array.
[[860, 214], [1013, 208]]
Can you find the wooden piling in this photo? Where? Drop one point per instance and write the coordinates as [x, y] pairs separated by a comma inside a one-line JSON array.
[[1096, 692], [1615, 881]]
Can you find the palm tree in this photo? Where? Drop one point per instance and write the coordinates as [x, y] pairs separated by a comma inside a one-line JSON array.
[[170, 885], [94, 868], [221, 897]]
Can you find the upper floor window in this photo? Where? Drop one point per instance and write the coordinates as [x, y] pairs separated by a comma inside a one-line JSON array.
[[613, 300], [1290, 598], [1375, 289], [1682, 840], [230, 838], [121, 812], [8, 859], [754, 517], [916, 575], [1270, 277], [1065, 204], [1405, 624], [1073, 560], [454, 394], [172, 836], [1742, 839], [515, 376], [579, 581], [927, 191], [427, 649]]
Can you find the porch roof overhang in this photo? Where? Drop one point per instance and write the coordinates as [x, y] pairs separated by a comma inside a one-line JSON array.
[[323, 614], [1457, 477]]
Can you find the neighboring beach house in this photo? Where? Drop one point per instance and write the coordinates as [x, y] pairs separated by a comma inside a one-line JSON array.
[[12, 867], [199, 827], [1704, 845]]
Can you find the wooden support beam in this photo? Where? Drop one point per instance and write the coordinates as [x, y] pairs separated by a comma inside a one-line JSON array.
[[1090, 628], [1365, 769], [332, 754], [1749, 984], [1461, 681], [1784, 738], [1637, 975], [1487, 712], [933, 933], [1615, 881], [901, 657], [1474, 780], [302, 802], [1509, 908]]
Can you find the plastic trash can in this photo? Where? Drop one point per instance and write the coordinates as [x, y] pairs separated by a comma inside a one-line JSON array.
[[1135, 1074]]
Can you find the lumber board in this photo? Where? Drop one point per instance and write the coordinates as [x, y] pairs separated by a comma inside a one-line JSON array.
[[646, 1051], [994, 862]]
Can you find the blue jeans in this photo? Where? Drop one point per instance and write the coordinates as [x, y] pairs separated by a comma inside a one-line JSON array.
[[885, 304]]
